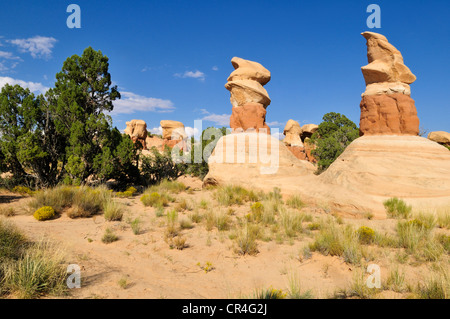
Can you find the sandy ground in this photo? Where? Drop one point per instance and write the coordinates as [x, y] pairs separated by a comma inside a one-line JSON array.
[[153, 270]]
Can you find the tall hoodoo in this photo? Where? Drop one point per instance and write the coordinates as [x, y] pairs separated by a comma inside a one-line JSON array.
[[248, 96], [386, 105]]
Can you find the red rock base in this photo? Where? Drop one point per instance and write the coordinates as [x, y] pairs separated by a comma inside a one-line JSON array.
[[393, 114], [251, 116]]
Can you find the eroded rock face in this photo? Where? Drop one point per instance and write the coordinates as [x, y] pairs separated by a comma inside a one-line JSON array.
[[308, 130], [386, 105], [137, 130], [440, 137], [249, 117], [248, 95], [388, 114]]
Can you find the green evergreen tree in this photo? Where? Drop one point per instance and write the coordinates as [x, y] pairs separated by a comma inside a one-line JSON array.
[[335, 133]]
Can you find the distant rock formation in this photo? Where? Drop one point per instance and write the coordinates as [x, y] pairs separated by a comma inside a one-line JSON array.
[[248, 96], [308, 130], [137, 130], [173, 134], [386, 105], [296, 140], [440, 137]]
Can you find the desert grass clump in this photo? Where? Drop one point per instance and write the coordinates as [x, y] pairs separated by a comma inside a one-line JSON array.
[[113, 211], [397, 208], [12, 241], [417, 239], [338, 241], [123, 283], [166, 186], [109, 236], [7, 211], [291, 222], [245, 240], [435, 287], [235, 195], [59, 198], [218, 219], [204, 204], [186, 223], [136, 226], [196, 217], [396, 281], [443, 219], [172, 219], [37, 272], [178, 242], [295, 291], [295, 202], [154, 199], [44, 213]]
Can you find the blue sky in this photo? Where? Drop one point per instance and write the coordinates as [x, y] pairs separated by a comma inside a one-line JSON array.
[[171, 59]]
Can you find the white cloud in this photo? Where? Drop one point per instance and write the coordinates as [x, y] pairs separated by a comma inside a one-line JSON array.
[[219, 119], [190, 74], [215, 68], [33, 86], [156, 130], [38, 46], [130, 103]]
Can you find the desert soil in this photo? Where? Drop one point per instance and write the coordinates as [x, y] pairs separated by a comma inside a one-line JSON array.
[[154, 270]]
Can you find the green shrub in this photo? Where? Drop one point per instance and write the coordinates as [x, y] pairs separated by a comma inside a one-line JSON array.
[[44, 213], [270, 294], [397, 208], [235, 195], [334, 134], [155, 199], [366, 235], [23, 190], [246, 241], [136, 226]]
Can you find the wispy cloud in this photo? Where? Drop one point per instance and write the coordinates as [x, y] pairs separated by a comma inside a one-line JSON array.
[[38, 46], [8, 56], [130, 103], [215, 68], [276, 123], [219, 119], [33, 86], [191, 74]]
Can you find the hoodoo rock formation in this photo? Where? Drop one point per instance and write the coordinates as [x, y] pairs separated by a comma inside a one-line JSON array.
[[390, 159], [248, 96], [252, 156], [173, 134], [386, 105], [137, 130]]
